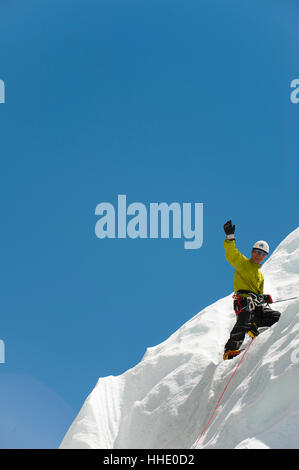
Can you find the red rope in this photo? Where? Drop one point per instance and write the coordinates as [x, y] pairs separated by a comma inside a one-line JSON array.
[[224, 392]]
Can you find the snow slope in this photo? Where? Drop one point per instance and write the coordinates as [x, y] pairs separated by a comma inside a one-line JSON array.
[[166, 400]]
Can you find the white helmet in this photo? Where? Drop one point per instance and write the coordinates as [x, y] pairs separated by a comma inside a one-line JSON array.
[[262, 245]]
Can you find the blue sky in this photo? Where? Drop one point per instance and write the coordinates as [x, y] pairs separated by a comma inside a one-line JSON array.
[[164, 101]]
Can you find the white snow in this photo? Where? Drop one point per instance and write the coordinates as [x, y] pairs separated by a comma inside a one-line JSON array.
[[166, 400]]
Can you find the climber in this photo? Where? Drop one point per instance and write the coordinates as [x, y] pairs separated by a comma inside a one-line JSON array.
[[251, 305]]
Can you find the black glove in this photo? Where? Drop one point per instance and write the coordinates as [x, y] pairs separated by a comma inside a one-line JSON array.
[[268, 299], [229, 228]]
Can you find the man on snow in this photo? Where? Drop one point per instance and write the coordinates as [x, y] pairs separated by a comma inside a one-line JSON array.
[[249, 297]]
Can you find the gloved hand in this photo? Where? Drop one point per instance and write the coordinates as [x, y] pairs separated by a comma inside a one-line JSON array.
[[229, 229], [268, 299]]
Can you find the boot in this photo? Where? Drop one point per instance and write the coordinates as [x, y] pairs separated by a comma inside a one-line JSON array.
[[253, 331], [230, 354]]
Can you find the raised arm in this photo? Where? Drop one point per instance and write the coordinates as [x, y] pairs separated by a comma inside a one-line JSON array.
[[232, 254]]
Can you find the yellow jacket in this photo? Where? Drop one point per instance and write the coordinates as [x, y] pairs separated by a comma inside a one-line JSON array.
[[247, 273]]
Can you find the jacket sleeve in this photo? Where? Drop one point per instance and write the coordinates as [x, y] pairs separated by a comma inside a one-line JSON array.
[[233, 255], [262, 287]]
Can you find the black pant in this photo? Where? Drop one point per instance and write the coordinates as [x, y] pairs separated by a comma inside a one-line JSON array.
[[261, 316]]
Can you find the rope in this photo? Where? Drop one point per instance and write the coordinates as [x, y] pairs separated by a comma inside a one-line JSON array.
[[236, 368]]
